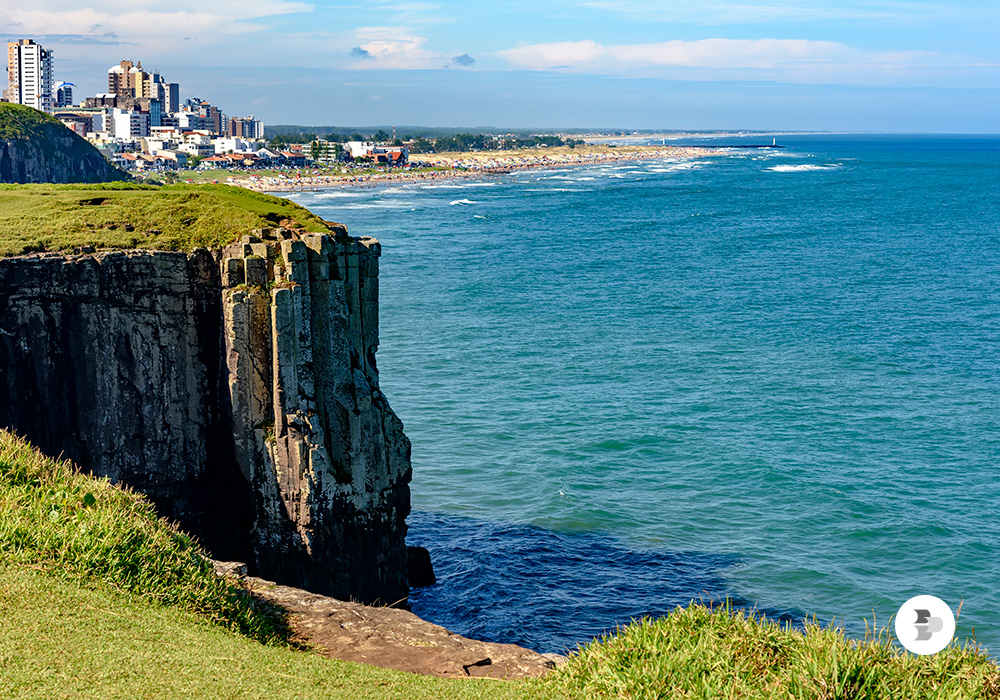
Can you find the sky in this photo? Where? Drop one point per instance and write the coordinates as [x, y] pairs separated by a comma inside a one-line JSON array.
[[829, 65]]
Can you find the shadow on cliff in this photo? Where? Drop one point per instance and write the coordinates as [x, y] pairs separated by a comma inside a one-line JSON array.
[[551, 591]]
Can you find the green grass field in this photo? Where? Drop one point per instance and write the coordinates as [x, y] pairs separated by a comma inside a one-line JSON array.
[[129, 215], [102, 599]]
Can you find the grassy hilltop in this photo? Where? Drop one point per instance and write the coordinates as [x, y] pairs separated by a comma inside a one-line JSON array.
[[128, 215], [36, 147], [100, 598]]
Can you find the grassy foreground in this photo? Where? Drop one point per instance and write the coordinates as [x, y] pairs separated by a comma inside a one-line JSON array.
[[130, 215], [100, 598]]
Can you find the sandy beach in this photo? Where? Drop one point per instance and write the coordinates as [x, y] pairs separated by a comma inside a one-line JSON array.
[[438, 166]]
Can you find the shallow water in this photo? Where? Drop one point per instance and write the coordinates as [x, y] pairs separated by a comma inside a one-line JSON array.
[[767, 375]]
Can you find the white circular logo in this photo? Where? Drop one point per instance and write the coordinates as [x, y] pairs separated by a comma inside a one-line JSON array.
[[925, 625]]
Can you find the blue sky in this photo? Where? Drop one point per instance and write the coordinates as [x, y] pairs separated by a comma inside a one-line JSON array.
[[673, 64]]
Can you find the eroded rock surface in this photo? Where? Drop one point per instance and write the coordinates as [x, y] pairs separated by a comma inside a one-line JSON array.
[[314, 435], [393, 638], [237, 389]]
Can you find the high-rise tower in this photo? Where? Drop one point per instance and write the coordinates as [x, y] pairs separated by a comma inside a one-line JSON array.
[[29, 75]]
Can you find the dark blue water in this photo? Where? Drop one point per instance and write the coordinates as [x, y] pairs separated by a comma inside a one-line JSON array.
[[764, 375]]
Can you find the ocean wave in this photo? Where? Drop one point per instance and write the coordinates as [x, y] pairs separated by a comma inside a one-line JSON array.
[[803, 168], [338, 195], [462, 201], [458, 186], [677, 167], [552, 189], [377, 205]]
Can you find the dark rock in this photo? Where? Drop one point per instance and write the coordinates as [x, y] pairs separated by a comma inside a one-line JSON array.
[[419, 568], [251, 416]]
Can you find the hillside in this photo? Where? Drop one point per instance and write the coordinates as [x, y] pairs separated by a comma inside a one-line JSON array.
[[126, 215], [35, 147]]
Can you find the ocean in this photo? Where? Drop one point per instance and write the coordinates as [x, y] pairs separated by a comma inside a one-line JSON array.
[[768, 375]]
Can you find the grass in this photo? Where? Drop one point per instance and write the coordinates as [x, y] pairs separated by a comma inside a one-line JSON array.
[[130, 215], [58, 640], [100, 598], [20, 122], [705, 652], [86, 530]]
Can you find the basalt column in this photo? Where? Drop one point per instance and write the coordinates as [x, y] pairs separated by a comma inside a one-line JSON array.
[[324, 454]]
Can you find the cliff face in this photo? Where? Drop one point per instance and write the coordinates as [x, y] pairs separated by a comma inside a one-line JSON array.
[[239, 391], [35, 147]]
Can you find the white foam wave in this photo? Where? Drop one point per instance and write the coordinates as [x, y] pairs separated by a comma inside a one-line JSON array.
[[378, 205], [462, 201], [338, 195], [803, 168]]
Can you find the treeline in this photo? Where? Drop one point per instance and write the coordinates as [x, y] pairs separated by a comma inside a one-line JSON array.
[[481, 142], [379, 136], [420, 144]]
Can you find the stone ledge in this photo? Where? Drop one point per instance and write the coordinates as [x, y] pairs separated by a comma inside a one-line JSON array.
[[392, 638]]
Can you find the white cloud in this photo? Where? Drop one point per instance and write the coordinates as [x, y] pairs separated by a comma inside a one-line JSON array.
[[142, 19], [707, 53], [393, 47]]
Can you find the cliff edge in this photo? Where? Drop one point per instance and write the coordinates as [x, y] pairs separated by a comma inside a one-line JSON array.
[[237, 388], [35, 147]]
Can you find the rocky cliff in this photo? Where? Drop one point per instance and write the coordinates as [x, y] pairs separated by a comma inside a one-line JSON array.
[[238, 389], [35, 147]]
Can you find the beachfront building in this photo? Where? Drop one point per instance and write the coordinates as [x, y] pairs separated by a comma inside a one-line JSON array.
[[246, 128], [368, 150], [29, 75], [358, 149], [208, 116], [128, 80], [63, 94], [232, 144], [82, 124], [128, 125]]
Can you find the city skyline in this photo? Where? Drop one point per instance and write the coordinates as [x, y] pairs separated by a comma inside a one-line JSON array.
[[889, 66]]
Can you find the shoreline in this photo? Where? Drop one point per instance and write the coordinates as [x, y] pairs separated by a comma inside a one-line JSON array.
[[470, 165]]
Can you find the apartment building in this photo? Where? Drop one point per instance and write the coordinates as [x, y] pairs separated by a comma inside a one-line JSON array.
[[29, 75]]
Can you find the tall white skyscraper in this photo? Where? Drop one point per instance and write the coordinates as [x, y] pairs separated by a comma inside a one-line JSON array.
[[29, 75]]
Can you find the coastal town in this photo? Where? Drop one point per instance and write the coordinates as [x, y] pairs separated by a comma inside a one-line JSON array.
[[142, 125]]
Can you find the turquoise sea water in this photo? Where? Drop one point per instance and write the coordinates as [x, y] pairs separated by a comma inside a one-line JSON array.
[[766, 375]]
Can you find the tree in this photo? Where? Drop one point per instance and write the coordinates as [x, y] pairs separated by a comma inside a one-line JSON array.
[[422, 145], [380, 136]]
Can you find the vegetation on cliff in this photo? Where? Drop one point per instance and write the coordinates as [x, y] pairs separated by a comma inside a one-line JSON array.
[[84, 529], [103, 599], [130, 215], [705, 652], [36, 147]]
